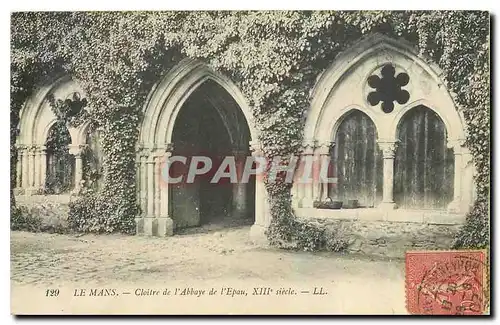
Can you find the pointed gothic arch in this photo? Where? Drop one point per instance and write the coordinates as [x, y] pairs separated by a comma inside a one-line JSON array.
[[394, 70], [36, 121], [156, 139]]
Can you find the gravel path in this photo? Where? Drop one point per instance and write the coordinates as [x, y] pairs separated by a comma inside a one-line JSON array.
[[214, 258]]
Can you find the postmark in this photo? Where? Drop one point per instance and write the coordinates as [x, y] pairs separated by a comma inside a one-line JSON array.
[[447, 282]]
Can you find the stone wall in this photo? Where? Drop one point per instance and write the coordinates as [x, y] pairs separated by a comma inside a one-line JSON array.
[[52, 210], [389, 238]]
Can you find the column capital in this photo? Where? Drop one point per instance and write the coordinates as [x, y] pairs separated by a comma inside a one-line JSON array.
[[20, 146], [22, 150], [256, 148], [458, 145], [77, 149], [163, 150], [142, 152], [42, 148], [388, 148], [30, 148], [308, 146], [324, 148]]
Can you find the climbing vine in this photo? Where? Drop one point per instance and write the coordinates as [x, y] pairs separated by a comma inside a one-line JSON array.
[[274, 57]]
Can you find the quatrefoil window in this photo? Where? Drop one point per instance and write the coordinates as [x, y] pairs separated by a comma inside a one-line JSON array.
[[388, 88]]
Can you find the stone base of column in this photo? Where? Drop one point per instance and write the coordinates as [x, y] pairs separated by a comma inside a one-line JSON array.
[[164, 227], [387, 206], [139, 226], [258, 235], [152, 226]]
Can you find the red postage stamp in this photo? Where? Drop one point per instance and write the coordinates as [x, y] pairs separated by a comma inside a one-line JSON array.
[[446, 282]]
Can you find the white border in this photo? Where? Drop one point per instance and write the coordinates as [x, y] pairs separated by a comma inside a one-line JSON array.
[[24, 5]]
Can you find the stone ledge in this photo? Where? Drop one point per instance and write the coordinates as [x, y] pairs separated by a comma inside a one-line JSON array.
[[437, 217]]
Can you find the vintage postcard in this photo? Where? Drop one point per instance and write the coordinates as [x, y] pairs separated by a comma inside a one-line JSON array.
[[250, 163]]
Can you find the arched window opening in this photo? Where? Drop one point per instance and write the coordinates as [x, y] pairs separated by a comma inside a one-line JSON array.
[[424, 166], [60, 163], [357, 162]]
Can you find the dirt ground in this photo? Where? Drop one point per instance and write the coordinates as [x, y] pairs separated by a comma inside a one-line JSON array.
[[208, 258]]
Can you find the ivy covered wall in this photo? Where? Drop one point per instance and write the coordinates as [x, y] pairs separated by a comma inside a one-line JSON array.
[[273, 57]]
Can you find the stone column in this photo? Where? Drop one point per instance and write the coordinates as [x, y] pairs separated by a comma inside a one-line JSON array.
[[239, 203], [143, 192], [31, 168], [165, 224], [467, 183], [141, 184], [321, 171], [159, 158], [77, 151], [25, 168], [150, 165], [389, 153], [307, 181], [19, 166], [138, 176], [149, 222], [455, 206], [262, 213], [36, 173], [43, 167]]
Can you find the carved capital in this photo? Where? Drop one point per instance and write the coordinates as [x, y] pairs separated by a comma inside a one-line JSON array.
[[163, 150], [42, 149], [458, 146], [142, 152], [77, 149], [21, 148], [256, 148], [308, 146], [161, 153], [31, 149], [388, 148], [324, 148]]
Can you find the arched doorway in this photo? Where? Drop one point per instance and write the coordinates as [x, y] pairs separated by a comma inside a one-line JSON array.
[[424, 165], [210, 124], [197, 110]]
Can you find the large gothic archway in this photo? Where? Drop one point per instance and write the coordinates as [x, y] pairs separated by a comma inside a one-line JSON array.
[[210, 124], [193, 108]]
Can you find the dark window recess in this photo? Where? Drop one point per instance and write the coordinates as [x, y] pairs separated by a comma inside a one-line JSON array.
[[424, 165], [357, 162], [388, 88]]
